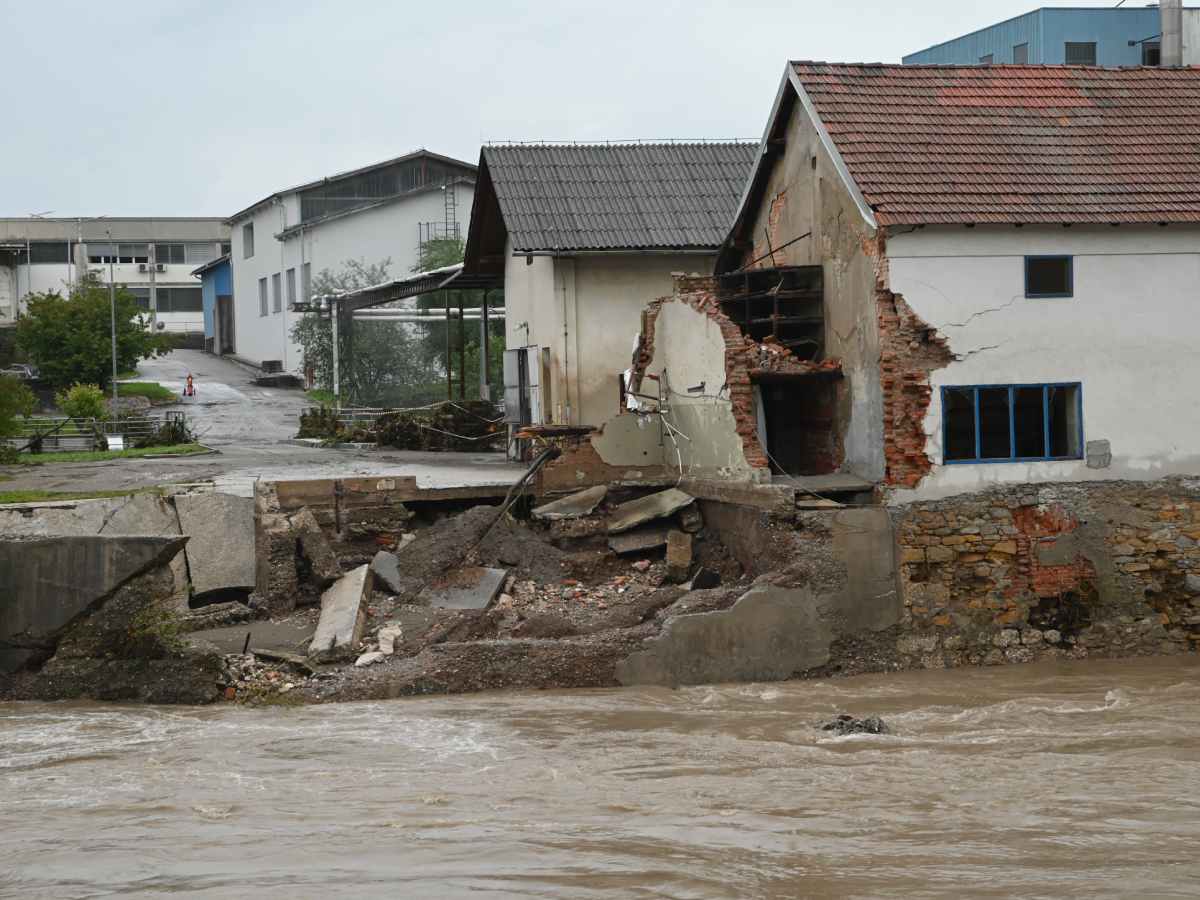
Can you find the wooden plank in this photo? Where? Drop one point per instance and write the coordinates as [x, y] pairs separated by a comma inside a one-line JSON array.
[[296, 494]]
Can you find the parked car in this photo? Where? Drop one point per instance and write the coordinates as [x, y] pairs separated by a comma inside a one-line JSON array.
[[21, 371]]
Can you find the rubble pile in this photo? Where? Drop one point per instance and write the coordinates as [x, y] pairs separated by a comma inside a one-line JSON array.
[[463, 425]]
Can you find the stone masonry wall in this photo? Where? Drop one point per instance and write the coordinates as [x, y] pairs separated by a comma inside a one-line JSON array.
[[1061, 570]]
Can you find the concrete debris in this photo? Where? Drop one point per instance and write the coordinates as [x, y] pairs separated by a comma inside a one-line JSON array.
[[642, 565], [769, 634], [216, 615], [323, 566], [48, 583], [650, 537], [1192, 583], [646, 509], [149, 514], [282, 656], [690, 519], [343, 616], [679, 556], [472, 587], [389, 636], [220, 549], [369, 659], [575, 506], [844, 724], [386, 568]]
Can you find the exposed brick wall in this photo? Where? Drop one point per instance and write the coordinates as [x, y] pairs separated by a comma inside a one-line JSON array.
[[744, 358], [909, 350], [1013, 574]]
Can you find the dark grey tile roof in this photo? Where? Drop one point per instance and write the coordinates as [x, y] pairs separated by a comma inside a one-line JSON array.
[[618, 196]]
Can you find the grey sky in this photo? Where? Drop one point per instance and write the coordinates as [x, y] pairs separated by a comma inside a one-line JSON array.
[[200, 107]]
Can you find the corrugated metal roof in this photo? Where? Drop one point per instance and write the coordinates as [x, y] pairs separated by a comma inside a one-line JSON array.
[[1009, 144], [580, 197]]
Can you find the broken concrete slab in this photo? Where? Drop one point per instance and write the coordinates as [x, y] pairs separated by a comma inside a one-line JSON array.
[[149, 514], [343, 616], [679, 556], [650, 537], [386, 568], [220, 552], [265, 636], [575, 506], [646, 509], [48, 583], [369, 659], [472, 587], [323, 566], [769, 634]]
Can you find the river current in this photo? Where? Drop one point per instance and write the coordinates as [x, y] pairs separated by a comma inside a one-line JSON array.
[[1053, 780]]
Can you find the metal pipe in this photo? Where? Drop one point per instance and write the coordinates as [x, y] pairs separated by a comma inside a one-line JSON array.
[[485, 388]]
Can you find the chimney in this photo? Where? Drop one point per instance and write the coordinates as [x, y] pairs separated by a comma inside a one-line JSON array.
[[1171, 48]]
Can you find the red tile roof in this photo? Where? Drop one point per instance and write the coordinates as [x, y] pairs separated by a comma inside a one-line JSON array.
[[960, 144]]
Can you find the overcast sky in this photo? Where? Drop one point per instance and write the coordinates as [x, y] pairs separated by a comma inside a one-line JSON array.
[[201, 107]]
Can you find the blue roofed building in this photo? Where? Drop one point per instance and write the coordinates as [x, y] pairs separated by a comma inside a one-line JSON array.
[[216, 290], [1094, 36]]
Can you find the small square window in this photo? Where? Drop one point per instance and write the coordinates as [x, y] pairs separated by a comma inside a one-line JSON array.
[[1020, 54], [985, 60], [1049, 276], [1151, 53]]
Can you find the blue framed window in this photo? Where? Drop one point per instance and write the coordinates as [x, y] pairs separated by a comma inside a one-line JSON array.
[[1012, 423], [1049, 276]]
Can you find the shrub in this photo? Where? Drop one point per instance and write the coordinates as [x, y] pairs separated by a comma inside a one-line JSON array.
[[16, 399], [82, 401]]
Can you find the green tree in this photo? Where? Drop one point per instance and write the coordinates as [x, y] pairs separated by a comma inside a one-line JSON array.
[[16, 399], [82, 401], [381, 362], [70, 338]]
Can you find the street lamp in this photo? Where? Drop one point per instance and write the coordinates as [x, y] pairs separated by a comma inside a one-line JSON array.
[[112, 302]]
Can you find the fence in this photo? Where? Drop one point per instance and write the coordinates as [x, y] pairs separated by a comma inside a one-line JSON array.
[[62, 435]]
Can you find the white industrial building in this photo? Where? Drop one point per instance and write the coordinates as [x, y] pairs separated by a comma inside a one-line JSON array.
[[380, 212], [152, 257]]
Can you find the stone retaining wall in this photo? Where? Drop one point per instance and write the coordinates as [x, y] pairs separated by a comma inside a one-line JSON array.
[[1063, 570]]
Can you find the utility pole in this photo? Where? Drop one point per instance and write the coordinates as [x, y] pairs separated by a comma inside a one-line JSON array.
[[112, 302]]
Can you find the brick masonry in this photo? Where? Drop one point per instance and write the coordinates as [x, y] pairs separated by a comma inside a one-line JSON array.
[[1060, 570], [744, 359]]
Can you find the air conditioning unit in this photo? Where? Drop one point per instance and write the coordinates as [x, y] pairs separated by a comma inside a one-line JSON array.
[[160, 267], [141, 267]]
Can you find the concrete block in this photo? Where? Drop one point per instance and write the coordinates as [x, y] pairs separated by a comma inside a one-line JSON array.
[[1098, 454], [642, 540], [220, 549], [575, 506], [769, 634], [646, 509], [323, 565], [472, 587], [386, 568], [49, 582], [679, 556], [149, 514], [343, 616]]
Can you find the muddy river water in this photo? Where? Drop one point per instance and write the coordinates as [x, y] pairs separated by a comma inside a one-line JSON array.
[[1069, 780]]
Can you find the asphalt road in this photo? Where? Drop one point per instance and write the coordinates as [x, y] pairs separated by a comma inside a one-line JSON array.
[[253, 428]]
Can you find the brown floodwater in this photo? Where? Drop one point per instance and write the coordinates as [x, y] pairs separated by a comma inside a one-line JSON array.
[[1067, 780]]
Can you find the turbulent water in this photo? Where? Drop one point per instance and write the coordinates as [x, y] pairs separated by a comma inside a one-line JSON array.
[[1076, 780]]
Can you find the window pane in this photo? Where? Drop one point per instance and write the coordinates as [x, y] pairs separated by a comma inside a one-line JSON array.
[[958, 413], [291, 286], [994, 424], [1151, 53], [49, 252], [248, 240], [985, 60], [141, 296], [276, 293], [1065, 428], [1081, 53], [1047, 276], [1029, 422], [262, 296]]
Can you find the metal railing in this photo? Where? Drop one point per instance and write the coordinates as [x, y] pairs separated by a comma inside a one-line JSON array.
[[62, 434]]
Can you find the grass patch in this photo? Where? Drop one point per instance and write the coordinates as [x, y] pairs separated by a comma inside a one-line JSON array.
[[102, 455], [151, 390], [320, 395], [40, 496], [125, 376]]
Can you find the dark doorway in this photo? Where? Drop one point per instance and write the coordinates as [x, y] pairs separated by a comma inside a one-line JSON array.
[[225, 343], [799, 416]]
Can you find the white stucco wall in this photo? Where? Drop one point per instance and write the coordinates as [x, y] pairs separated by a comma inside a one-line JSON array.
[[371, 235], [1128, 335], [8, 294], [599, 299]]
